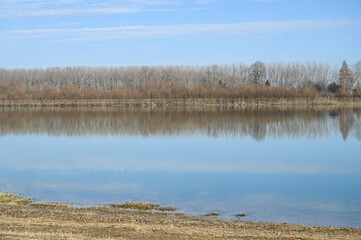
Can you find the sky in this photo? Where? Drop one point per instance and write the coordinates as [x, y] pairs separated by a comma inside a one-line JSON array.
[[47, 33]]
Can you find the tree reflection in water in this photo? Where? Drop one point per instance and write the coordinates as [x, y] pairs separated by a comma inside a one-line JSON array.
[[257, 123]]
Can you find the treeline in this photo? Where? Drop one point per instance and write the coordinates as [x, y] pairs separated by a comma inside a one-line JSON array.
[[258, 80]]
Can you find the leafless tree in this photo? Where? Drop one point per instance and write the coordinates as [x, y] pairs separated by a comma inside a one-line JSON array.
[[258, 71], [356, 72]]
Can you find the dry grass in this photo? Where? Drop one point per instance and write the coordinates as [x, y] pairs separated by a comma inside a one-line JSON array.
[[14, 199], [135, 205], [167, 209], [212, 214], [19, 219], [8, 197], [24, 222], [52, 205], [142, 206]]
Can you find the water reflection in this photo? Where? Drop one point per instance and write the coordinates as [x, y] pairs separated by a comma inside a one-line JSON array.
[[305, 199], [276, 164], [259, 123]]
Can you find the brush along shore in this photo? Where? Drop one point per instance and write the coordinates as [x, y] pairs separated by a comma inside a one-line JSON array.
[[320, 101], [19, 219]]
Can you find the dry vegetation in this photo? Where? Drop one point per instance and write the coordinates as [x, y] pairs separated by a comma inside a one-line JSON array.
[[142, 206], [22, 220], [239, 215], [14, 199], [18, 91], [212, 214]]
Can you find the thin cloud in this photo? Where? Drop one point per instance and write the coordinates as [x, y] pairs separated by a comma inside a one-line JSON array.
[[203, 2], [164, 31], [262, 0], [41, 8]]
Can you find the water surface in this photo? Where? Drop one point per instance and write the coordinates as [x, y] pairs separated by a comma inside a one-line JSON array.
[[282, 164]]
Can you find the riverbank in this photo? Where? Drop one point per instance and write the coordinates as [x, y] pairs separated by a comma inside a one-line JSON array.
[[21, 218], [184, 102], [25, 222]]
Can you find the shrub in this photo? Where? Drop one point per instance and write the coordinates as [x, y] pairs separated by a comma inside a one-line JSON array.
[[310, 92], [333, 87], [319, 87]]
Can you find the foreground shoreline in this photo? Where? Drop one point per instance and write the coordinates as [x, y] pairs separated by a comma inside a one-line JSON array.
[[27, 222], [183, 102]]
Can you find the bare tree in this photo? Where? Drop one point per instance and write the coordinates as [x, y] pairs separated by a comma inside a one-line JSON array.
[[258, 71], [356, 72]]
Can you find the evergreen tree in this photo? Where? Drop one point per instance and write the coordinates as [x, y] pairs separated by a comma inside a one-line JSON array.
[[345, 76]]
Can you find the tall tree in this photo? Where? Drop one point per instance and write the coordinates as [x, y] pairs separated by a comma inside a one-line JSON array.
[[357, 73], [345, 76], [258, 71]]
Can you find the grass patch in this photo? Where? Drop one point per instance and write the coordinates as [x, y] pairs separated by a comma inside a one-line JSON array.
[[7, 197], [135, 205], [142, 206], [167, 209], [212, 214], [240, 215], [14, 199], [99, 208], [52, 205], [23, 201]]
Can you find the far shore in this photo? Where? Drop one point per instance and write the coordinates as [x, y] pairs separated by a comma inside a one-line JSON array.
[[321, 101]]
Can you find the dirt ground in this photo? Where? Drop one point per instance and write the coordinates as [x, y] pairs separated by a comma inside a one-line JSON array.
[[25, 222]]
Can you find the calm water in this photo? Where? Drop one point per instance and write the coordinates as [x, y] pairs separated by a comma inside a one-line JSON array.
[[281, 165]]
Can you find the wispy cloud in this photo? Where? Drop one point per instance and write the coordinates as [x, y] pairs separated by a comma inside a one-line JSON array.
[[40, 8], [262, 1], [164, 31], [203, 2]]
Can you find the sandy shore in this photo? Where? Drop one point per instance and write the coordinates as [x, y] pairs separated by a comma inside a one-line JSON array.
[[25, 222]]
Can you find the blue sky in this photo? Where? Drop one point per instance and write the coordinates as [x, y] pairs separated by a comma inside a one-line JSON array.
[[44, 33]]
